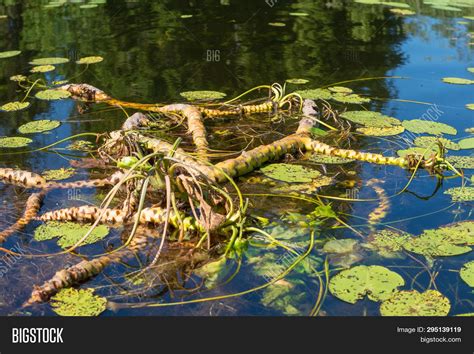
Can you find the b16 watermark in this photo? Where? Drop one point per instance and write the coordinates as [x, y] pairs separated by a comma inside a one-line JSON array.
[[213, 55]]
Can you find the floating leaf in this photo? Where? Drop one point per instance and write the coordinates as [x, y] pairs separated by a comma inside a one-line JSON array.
[[202, 95], [9, 54], [461, 194], [69, 233], [370, 119], [280, 296], [90, 60], [308, 188], [42, 69], [49, 61], [297, 81], [297, 14], [315, 94], [378, 283], [420, 126], [351, 98], [466, 143], [466, 162], [471, 70], [402, 12], [60, 174], [52, 95], [38, 126], [340, 246], [14, 106], [413, 303], [387, 243], [277, 24], [290, 173], [18, 78], [431, 142], [186, 16], [14, 142], [88, 6], [381, 131], [458, 81], [460, 233], [340, 89], [74, 302], [329, 159], [81, 145], [418, 151], [467, 273]]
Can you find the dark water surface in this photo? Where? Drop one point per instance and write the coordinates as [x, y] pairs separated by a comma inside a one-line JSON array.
[[152, 54]]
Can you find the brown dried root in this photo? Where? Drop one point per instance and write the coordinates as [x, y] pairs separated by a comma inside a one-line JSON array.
[[33, 205], [83, 271]]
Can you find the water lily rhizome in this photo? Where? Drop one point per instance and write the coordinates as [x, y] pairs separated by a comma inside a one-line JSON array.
[[184, 207]]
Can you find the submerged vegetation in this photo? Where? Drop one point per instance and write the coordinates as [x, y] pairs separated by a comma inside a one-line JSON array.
[[282, 185]]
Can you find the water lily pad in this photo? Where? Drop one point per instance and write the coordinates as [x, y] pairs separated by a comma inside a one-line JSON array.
[[413, 303], [280, 296], [471, 70], [340, 89], [467, 273], [370, 119], [18, 78], [9, 54], [418, 151], [38, 126], [466, 143], [420, 126], [381, 131], [470, 106], [202, 95], [297, 81], [308, 188], [90, 60], [402, 12], [350, 98], [42, 68], [378, 283], [460, 233], [387, 243], [81, 145], [461, 194], [78, 302], [69, 233], [49, 61], [52, 95], [290, 173], [186, 16], [466, 162], [432, 141], [14, 106], [458, 81], [315, 94], [14, 142], [340, 246], [277, 24], [329, 159], [58, 175]]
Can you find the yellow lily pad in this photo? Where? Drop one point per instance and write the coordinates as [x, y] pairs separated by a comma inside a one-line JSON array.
[[52, 95], [14, 142], [14, 106], [78, 302], [42, 69], [90, 60]]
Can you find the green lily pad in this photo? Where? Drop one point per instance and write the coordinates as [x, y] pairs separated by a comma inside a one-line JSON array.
[[471, 70], [340, 246], [297, 81], [466, 143], [418, 151], [420, 126], [308, 188], [9, 54], [52, 95], [340, 89], [69, 233], [280, 296], [378, 283], [458, 81], [14, 106], [42, 69], [381, 131], [431, 142], [277, 24], [202, 95], [78, 302], [331, 160], [467, 273], [81, 145], [370, 119], [58, 175], [38, 126], [350, 98], [90, 60], [470, 106], [14, 142], [387, 243], [186, 16], [402, 12], [461, 194], [49, 61], [460, 233], [413, 303], [315, 94], [88, 6], [466, 162], [290, 173], [18, 78]]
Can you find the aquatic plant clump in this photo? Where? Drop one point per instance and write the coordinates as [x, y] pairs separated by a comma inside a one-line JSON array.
[[82, 302]]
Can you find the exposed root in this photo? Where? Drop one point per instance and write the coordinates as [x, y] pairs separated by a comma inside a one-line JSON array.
[[33, 205]]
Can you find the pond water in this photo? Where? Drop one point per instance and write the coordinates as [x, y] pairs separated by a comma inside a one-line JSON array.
[[154, 50]]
